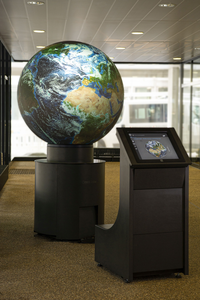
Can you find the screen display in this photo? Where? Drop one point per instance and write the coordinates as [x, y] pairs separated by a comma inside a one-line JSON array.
[[153, 146]]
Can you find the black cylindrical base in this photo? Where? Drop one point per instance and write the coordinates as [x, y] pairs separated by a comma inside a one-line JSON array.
[[69, 196], [70, 153]]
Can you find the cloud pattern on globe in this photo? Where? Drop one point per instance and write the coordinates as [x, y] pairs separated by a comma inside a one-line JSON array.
[[70, 93], [156, 149]]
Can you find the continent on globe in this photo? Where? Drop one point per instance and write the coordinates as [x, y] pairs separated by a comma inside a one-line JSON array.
[[156, 149], [70, 93]]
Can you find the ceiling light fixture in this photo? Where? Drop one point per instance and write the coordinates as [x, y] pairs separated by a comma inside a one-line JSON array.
[[111, 57], [137, 32], [39, 31], [35, 2], [177, 58], [170, 5], [120, 48], [40, 47]]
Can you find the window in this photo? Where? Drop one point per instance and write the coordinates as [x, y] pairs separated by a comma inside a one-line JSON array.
[[23, 141], [156, 113], [151, 99]]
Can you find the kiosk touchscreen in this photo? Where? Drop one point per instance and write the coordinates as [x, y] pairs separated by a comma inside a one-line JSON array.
[[153, 145]]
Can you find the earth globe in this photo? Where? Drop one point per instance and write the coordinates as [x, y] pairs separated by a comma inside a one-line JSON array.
[[70, 93]]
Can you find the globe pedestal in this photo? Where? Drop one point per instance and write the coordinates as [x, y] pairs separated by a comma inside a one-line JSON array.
[[69, 192]]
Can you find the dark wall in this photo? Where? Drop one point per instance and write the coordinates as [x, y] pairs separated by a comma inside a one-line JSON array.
[[5, 105]]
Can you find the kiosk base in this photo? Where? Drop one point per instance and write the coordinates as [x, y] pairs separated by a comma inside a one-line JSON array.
[[150, 234], [69, 193]]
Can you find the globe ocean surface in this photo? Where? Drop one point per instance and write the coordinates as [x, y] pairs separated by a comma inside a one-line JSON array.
[[70, 93]]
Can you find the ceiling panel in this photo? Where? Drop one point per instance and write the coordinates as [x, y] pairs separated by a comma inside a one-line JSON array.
[[184, 10], [15, 9], [78, 10], [122, 30], [104, 31], [105, 24], [160, 13], [20, 24], [6, 28], [3, 15], [38, 24], [97, 44], [99, 9], [36, 12], [55, 26], [109, 48], [40, 39], [15, 46], [120, 10], [142, 9], [23, 36], [161, 31], [57, 9], [89, 30], [11, 43], [26, 45]]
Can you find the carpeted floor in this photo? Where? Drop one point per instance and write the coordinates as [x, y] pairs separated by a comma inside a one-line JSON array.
[[34, 267]]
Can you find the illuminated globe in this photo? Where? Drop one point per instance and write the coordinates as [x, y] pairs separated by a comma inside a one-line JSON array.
[[70, 93]]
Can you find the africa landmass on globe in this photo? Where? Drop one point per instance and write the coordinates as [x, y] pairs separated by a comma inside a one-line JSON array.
[[156, 149], [70, 93]]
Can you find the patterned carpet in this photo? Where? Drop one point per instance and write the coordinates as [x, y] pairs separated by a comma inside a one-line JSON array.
[[36, 267]]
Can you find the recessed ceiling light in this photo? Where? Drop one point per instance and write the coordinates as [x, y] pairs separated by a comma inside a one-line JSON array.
[[40, 47], [177, 58], [170, 5], [39, 31], [111, 57], [137, 32], [120, 48], [35, 2]]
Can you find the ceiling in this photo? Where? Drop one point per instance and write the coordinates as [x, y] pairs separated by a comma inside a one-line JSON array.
[[168, 32]]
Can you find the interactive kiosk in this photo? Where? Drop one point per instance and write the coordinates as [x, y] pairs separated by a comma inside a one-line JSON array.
[[150, 234]]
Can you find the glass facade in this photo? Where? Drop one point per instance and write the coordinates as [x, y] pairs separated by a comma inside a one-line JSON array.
[[191, 110], [5, 105], [195, 124], [186, 118], [154, 97], [151, 99], [24, 142]]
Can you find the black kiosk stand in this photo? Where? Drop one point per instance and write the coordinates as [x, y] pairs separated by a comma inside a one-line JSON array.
[[69, 192], [150, 234]]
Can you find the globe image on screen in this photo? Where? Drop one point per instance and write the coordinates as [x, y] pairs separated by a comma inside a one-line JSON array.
[[156, 149], [70, 93]]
